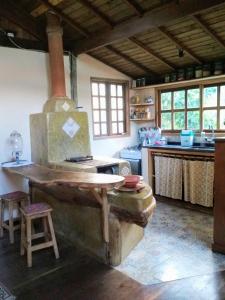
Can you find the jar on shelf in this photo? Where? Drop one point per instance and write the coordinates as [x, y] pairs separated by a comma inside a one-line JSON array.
[[138, 82], [190, 73], [167, 78], [143, 83], [206, 70], [198, 71], [173, 77], [180, 75], [218, 68]]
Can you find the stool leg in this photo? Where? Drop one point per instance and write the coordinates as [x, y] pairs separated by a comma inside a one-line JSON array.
[[45, 227], [1, 217], [11, 229], [53, 236], [29, 253], [23, 235]]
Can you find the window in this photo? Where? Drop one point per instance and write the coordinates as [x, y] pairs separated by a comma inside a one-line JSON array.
[[195, 108], [109, 107]]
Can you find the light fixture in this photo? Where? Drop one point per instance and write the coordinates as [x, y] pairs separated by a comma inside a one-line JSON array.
[[16, 144], [180, 52]]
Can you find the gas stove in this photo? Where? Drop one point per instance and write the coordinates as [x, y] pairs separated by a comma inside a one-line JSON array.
[[101, 166], [80, 158]]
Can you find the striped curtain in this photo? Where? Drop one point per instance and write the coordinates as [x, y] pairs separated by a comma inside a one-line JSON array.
[[198, 182], [168, 177]]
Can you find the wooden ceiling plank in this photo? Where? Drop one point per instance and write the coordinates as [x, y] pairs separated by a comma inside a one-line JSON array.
[[110, 65], [65, 18], [178, 44], [209, 31], [41, 9], [129, 59], [151, 19], [148, 50], [15, 14], [135, 7], [97, 12]]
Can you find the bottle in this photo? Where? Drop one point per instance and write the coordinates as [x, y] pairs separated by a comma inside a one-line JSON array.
[[202, 139]]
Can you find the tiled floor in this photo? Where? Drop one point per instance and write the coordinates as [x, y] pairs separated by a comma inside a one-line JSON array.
[[177, 244]]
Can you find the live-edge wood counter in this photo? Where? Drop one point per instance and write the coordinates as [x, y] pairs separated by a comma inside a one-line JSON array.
[[97, 184]]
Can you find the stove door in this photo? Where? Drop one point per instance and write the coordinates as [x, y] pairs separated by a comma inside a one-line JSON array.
[[112, 169]]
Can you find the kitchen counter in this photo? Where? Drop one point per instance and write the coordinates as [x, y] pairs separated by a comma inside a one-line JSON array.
[[180, 148], [149, 151]]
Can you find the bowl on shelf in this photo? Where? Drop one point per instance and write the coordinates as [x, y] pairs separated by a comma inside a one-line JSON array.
[[131, 181]]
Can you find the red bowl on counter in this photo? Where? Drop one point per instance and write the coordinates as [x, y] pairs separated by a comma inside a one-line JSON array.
[[131, 181]]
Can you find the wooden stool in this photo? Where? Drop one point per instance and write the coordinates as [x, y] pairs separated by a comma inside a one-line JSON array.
[[11, 200], [29, 213]]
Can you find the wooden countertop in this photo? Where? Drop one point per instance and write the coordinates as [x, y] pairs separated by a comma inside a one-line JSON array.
[[176, 149], [44, 175]]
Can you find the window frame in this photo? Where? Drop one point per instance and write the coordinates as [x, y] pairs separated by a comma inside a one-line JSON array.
[[201, 109], [126, 108]]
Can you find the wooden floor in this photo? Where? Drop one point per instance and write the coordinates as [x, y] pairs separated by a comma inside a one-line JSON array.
[[79, 277]]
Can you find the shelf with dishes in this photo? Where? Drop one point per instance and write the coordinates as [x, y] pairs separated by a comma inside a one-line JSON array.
[[142, 120], [141, 108], [142, 104]]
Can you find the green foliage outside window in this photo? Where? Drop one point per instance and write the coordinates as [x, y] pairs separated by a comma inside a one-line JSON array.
[[178, 105]]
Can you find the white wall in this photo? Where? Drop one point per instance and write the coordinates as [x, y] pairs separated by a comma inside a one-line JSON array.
[[24, 88], [88, 67]]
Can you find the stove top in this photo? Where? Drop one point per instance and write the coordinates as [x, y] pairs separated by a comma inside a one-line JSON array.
[[80, 158]]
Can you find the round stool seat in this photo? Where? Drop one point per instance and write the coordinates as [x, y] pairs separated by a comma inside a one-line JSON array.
[[36, 208]]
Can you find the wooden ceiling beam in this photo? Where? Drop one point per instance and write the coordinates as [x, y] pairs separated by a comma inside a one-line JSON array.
[[179, 45], [66, 18], [152, 53], [197, 19], [15, 14], [110, 65], [130, 60], [151, 19], [135, 7], [14, 42], [97, 12]]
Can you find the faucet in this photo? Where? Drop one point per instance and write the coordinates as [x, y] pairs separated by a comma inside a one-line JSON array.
[[212, 134]]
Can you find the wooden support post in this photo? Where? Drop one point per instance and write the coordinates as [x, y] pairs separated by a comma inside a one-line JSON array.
[[105, 212], [219, 196]]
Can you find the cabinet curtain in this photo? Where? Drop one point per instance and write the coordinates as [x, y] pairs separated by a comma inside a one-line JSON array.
[[198, 182], [189, 180], [168, 177]]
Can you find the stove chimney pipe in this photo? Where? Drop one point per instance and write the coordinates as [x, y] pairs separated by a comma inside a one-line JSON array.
[[58, 101], [55, 45]]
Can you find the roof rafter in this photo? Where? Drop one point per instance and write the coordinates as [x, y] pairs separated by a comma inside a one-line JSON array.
[[151, 19], [15, 14], [97, 12], [66, 18], [178, 44], [110, 65], [148, 50], [15, 42], [197, 19], [130, 60], [134, 6]]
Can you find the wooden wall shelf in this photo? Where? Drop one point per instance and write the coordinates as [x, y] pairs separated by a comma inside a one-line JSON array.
[[143, 120], [141, 104], [204, 80]]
